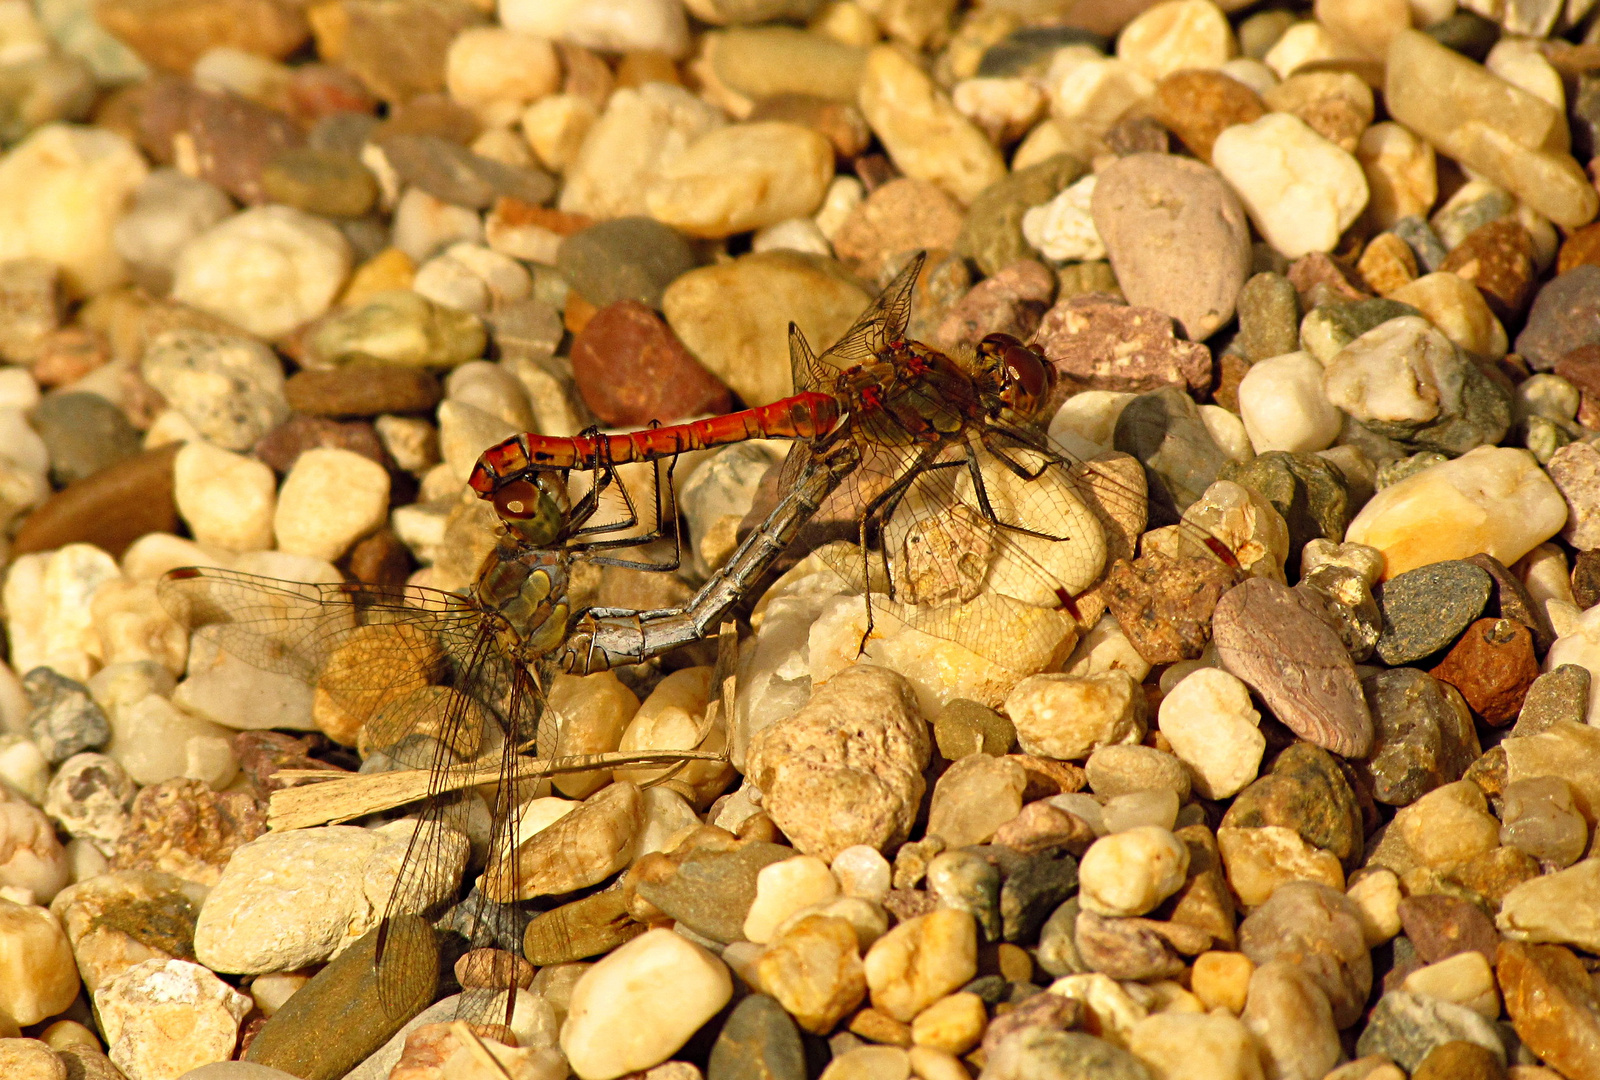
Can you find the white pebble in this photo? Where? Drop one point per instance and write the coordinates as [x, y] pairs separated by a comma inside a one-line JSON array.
[[1063, 228], [1284, 407], [423, 224], [1209, 720], [226, 499], [330, 499], [266, 270], [1301, 190], [1067, 717], [1129, 873], [862, 871], [782, 888]]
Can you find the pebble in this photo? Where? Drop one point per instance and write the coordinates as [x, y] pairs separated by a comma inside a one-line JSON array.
[[582, 848], [1124, 770], [1493, 665], [1562, 693], [1285, 407], [1448, 826], [91, 170], [1427, 609], [1557, 907], [164, 1017], [1175, 35], [1551, 1002], [742, 177], [267, 270], [631, 369], [1458, 309], [1198, 104], [400, 327], [1129, 873], [805, 765], [1273, 642], [1299, 208], [1438, 94], [1307, 792], [1464, 979], [1497, 500], [42, 978], [1067, 717], [1063, 229], [783, 888], [226, 499], [974, 797], [83, 433], [632, 982], [734, 317], [34, 859], [1408, 1026], [1289, 1014], [304, 522], [922, 131], [1156, 212], [425, 224], [62, 719], [1319, 930], [814, 971], [229, 387], [920, 961], [639, 131], [1538, 816], [1335, 104], [611, 26], [1118, 347], [1202, 1047], [320, 875]]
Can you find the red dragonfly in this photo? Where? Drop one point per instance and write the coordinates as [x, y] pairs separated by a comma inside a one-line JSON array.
[[954, 489]]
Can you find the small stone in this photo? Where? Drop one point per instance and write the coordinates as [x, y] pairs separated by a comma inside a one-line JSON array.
[[321, 480], [1448, 826], [90, 796], [1387, 264], [1197, 105], [33, 1059], [742, 177], [974, 797], [164, 1017], [869, 1063], [1401, 175], [902, 215], [758, 1040], [631, 369], [1459, 311], [592, 926], [920, 961], [1268, 638], [1465, 979], [34, 858], [1561, 693], [1499, 259], [1288, 1012], [1427, 608], [1301, 208], [83, 433], [1402, 520], [814, 971], [313, 873], [1262, 860], [229, 388], [1129, 873], [41, 977], [1306, 791], [1498, 130], [1201, 1047], [180, 826], [1126, 948], [227, 500], [1269, 318], [1557, 907], [1466, 1060], [1066, 717], [1538, 816], [1041, 827], [1124, 769], [825, 802], [922, 131], [783, 888], [1319, 930], [319, 182], [1222, 979], [633, 982], [953, 1024], [711, 891], [296, 265], [1116, 347], [400, 327], [62, 719], [964, 727], [1552, 1004], [94, 170], [1175, 35], [583, 848], [1424, 737], [1408, 1026], [991, 236], [1492, 665], [1285, 407], [1164, 604], [734, 317], [1063, 229], [1156, 212]]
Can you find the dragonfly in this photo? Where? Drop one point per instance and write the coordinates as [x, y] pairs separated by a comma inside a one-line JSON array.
[[941, 463], [448, 687]]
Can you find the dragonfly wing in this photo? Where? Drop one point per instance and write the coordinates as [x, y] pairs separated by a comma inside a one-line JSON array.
[[883, 322]]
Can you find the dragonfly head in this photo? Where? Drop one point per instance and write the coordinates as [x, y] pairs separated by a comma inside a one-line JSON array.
[[534, 507], [1023, 374]]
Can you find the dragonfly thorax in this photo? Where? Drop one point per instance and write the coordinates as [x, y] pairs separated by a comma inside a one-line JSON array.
[[527, 587]]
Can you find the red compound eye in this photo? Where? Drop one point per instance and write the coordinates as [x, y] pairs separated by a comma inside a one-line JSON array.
[[1026, 376], [517, 501]]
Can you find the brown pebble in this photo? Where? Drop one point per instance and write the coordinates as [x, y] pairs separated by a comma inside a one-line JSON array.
[[282, 446], [380, 559], [493, 969], [1498, 259], [584, 928], [1011, 302], [1319, 279], [877, 1027], [1492, 665], [1441, 926], [841, 123], [1164, 603], [172, 36], [68, 354], [1496, 872], [110, 509], [1460, 1060], [1580, 248], [363, 390], [1581, 368], [631, 369], [1553, 1005], [1197, 105], [1110, 346], [898, 216], [1387, 263], [1042, 827], [1586, 579], [263, 753], [230, 138], [1268, 636]]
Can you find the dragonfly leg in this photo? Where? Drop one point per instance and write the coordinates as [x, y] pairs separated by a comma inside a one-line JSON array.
[[604, 638], [873, 513]]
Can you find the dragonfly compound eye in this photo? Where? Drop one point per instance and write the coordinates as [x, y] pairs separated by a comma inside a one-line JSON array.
[[1026, 374]]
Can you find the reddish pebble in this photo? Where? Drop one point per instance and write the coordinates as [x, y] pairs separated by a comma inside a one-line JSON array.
[[631, 369], [1493, 665], [1110, 346], [1319, 279], [1012, 302]]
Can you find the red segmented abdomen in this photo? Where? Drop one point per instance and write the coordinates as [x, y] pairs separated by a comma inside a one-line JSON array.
[[802, 416]]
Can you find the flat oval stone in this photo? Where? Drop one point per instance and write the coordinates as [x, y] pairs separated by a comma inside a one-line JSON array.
[[632, 369], [1270, 639], [1425, 610], [363, 389], [110, 509], [334, 1021]]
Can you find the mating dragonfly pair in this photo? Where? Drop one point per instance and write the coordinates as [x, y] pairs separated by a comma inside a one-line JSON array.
[[940, 465]]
